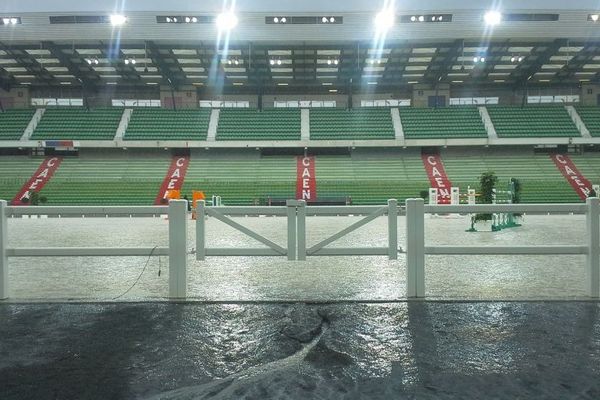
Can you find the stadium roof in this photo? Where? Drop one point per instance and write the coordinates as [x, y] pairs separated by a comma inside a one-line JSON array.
[[71, 42]]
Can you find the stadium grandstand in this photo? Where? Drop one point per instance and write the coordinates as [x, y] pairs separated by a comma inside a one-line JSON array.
[[256, 104]]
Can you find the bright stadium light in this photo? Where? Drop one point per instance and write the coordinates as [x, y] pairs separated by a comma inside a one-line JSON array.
[[118, 19], [226, 21], [385, 20], [492, 18]]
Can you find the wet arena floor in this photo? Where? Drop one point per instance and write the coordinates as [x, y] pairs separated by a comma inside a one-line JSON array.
[[276, 279], [413, 350]]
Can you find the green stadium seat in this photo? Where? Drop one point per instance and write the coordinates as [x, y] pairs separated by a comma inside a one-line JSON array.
[[355, 124], [532, 121], [249, 124], [76, 123], [165, 124], [591, 118], [13, 123], [446, 122]]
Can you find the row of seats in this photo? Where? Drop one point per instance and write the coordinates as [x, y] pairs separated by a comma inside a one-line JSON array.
[[72, 123], [165, 124], [355, 124], [249, 124], [450, 122], [591, 118], [532, 121], [13, 123], [246, 180]]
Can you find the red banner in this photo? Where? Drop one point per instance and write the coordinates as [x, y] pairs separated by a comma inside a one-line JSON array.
[[38, 180], [437, 176], [582, 186], [174, 178], [306, 182]]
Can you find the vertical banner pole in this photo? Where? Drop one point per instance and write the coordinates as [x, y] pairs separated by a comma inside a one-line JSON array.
[[301, 230], [291, 227]]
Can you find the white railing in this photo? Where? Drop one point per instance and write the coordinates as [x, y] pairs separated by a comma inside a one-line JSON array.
[[417, 249], [177, 250], [296, 247], [296, 213]]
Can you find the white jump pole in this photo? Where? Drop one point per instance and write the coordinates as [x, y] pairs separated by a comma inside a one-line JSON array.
[[415, 248], [593, 238], [3, 247], [454, 196], [433, 196], [177, 249]]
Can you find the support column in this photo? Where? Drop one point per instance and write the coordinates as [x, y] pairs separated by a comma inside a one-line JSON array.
[[291, 226], [593, 238], [3, 246], [177, 249], [393, 229], [415, 248], [301, 230], [200, 230]]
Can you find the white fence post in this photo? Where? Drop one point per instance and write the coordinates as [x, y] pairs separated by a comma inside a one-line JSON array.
[[291, 227], [593, 237], [393, 229], [301, 230], [3, 256], [200, 230], [177, 249], [415, 248]]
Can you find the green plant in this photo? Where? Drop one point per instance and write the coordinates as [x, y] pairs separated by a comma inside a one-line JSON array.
[[424, 194], [487, 184]]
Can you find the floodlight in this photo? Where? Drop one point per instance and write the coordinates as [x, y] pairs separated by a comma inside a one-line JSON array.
[[187, 19], [594, 17], [276, 20], [117, 19], [324, 20], [492, 17], [126, 61], [475, 59], [194, 19], [332, 20], [421, 18], [482, 59], [520, 59], [512, 59], [328, 62], [283, 20], [6, 21], [14, 21], [384, 20], [272, 62], [336, 62], [88, 61], [133, 61], [278, 62], [226, 21]]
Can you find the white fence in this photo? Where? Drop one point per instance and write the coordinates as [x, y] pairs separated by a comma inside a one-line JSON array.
[[177, 250], [297, 248]]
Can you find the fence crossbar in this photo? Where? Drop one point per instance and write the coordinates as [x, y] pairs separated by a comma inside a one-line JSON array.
[[213, 213], [374, 214]]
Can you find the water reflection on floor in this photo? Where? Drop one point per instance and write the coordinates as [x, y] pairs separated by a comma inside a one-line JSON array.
[[318, 279]]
